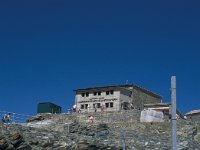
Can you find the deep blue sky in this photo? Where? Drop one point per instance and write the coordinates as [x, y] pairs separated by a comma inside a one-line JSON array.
[[48, 48]]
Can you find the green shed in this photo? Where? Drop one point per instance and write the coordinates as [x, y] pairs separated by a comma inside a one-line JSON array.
[[48, 107]]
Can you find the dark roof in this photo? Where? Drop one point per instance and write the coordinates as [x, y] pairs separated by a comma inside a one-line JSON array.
[[157, 104], [120, 86], [49, 103], [102, 87], [147, 91]]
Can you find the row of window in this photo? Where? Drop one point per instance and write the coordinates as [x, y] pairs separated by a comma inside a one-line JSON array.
[[111, 92], [109, 105], [97, 105]]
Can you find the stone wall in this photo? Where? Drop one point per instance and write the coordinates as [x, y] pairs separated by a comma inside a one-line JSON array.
[[110, 117], [140, 98], [194, 118]]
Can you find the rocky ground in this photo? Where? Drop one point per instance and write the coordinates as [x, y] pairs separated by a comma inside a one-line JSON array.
[[69, 133]]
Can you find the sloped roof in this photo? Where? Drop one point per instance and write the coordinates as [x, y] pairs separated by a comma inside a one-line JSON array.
[[103, 87], [120, 86], [193, 112]]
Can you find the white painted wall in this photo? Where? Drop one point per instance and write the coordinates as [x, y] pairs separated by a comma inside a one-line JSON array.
[[102, 99]]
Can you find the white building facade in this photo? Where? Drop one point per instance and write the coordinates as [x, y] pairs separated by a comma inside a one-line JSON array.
[[114, 98], [109, 98]]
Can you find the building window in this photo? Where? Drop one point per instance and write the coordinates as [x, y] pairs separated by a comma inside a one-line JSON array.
[[107, 105], [111, 104], [107, 92], [95, 93], [86, 106], [99, 93], [98, 105], [130, 94], [83, 94], [87, 94], [111, 92], [82, 106]]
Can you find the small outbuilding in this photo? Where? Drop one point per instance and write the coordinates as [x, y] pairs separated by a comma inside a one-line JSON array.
[[194, 115], [48, 107], [165, 108]]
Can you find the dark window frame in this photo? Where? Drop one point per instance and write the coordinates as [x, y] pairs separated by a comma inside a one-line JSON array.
[[111, 92], [98, 105], [130, 94], [87, 94], [82, 106], [111, 105], [94, 105], [99, 93], [107, 92], [83, 94], [107, 105]]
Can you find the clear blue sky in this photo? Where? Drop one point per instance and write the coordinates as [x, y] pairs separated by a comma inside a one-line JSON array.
[[48, 48]]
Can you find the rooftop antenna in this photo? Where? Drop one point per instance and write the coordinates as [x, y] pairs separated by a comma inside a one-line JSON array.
[[126, 81], [173, 111]]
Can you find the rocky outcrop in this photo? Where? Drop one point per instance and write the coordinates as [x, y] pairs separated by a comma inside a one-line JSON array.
[[13, 141], [40, 117], [69, 133], [79, 137], [36, 118]]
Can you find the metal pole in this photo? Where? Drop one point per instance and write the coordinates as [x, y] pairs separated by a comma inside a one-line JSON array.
[[123, 140], [173, 111], [13, 117]]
